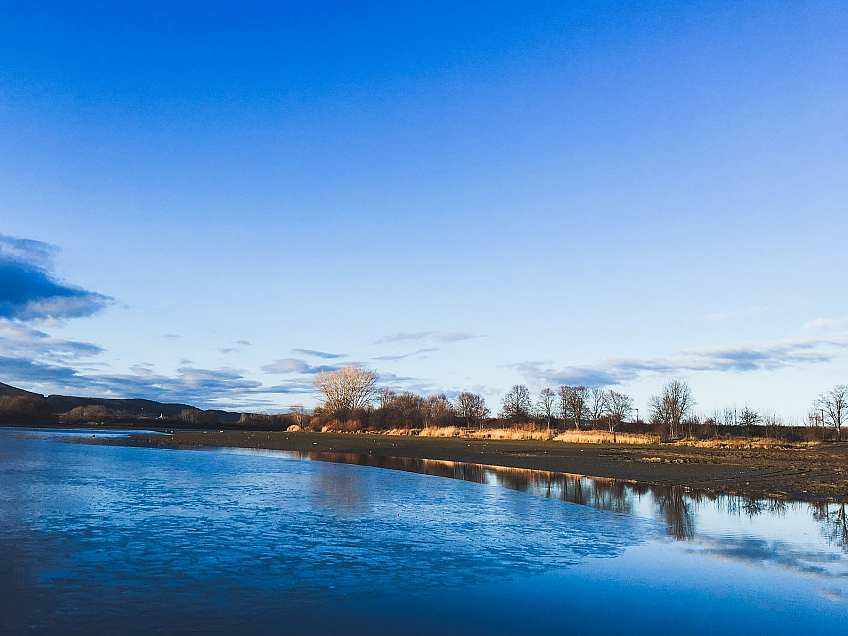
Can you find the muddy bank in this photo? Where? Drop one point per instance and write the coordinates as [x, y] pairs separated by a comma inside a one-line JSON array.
[[796, 473]]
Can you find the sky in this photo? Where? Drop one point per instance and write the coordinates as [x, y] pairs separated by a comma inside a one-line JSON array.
[[211, 202]]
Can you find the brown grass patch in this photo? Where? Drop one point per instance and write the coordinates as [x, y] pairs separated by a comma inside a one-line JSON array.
[[739, 443], [337, 426], [510, 433], [441, 431], [605, 437]]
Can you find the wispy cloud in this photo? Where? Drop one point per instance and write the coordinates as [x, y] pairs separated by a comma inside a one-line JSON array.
[[319, 354], [172, 336], [403, 356], [30, 291], [825, 323], [407, 383], [438, 336], [19, 340], [286, 366], [746, 311], [757, 552], [205, 388], [739, 358]]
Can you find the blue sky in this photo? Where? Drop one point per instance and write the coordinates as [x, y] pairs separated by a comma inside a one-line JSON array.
[[209, 202]]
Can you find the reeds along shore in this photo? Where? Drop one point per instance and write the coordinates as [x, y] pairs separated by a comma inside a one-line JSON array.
[[587, 437]]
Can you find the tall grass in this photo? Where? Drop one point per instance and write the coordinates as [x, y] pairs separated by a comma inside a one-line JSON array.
[[605, 437], [530, 433], [740, 443]]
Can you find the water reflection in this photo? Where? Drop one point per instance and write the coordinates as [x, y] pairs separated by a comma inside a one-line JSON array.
[[102, 539], [675, 506], [675, 510], [834, 523]]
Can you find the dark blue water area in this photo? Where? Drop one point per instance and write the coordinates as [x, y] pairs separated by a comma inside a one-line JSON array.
[[111, 539]]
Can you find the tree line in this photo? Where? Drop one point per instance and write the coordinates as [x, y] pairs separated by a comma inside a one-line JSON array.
[[350, 399]]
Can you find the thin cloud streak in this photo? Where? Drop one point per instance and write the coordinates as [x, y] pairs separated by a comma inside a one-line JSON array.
[[438, 336], [825, 323], [739, 358], [319, 354], [403, 356], [286, 366], [19, 340]]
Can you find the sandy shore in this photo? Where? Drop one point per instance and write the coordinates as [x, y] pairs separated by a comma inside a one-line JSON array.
[[796, 473]]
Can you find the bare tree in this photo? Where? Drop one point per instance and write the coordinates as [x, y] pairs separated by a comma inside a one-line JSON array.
[[97, 414], [516, 404], [619, 408], [748, 418], [196, 416], [772, 422], [298, 414], [385, 397], [410, 408], [547, 405], [834, 406], [346, 389], [597, 403], [572, 403], [672, 406], [472, 408], [437, 409]]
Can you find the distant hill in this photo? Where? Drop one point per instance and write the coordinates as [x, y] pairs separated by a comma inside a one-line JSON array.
[[11, 391], [129, 407]]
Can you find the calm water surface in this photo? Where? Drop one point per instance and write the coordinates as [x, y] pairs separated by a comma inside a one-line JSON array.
[[139, 540]]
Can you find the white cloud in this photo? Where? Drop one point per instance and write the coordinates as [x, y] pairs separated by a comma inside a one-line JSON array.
[[825, 323], [739, 357]]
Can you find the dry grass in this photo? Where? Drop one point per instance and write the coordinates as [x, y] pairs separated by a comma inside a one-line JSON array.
[[337, 426], [605, 437], [441, 431], [529, 433], [510, 433], [739, 443], [400, 431], [488, 433]]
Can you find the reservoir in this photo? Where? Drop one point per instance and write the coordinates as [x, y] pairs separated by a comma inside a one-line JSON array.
[[123, 539]]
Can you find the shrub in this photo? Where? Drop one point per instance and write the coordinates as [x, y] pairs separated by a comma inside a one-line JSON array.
[[22, 408], [91, 414]]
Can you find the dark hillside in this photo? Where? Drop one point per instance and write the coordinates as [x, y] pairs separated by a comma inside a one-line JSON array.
[[118, 407], [11, 391]]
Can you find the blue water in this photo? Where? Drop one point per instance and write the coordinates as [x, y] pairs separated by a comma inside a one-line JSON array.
[[100, 539]]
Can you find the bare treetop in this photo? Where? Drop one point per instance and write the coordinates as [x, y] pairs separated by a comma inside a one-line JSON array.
[[517, 404], [472, 407], [572, 401], [673, 405], [346, 389], [834, 407]]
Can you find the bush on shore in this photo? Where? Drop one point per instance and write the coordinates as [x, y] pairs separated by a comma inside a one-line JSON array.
[[23, 408]]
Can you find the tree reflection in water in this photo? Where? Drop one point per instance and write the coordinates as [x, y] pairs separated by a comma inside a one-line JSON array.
[[673, 505], [604, 494], [834, 522]]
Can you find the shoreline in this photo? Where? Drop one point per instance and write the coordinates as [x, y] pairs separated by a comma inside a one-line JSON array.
[[807, 473]]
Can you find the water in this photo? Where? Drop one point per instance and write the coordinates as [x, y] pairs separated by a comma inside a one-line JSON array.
[[138, 540]]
